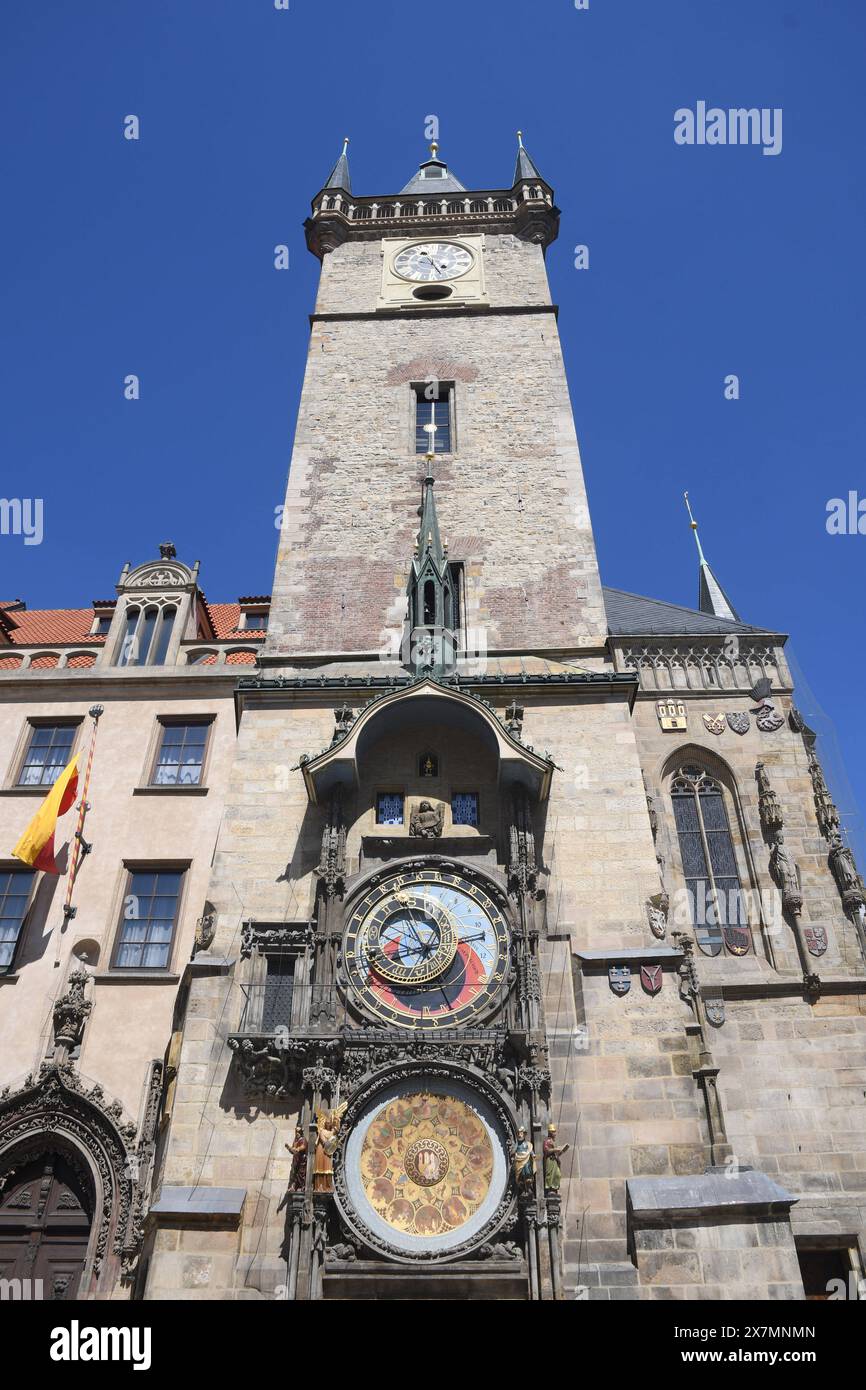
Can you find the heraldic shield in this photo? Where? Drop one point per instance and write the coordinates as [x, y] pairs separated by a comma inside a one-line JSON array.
[[620, 978]]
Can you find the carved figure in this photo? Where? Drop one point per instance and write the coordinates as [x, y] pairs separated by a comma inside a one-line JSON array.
[[524, 1162], [552, 1166], [784, 871], [327, 1141], [298, 1149], [426, 821]]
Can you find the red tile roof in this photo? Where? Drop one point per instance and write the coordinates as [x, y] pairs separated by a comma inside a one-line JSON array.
[[36, 626]]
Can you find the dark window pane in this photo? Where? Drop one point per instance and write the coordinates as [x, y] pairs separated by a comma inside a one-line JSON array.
[[15, 886], [279, 989], [389, 808]]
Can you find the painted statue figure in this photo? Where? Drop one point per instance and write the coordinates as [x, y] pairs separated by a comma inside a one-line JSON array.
[[298, 1149], [552, 1154], [327, 1141], [524, 1162]]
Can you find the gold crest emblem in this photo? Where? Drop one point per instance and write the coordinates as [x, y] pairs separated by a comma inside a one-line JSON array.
[[672, 714]]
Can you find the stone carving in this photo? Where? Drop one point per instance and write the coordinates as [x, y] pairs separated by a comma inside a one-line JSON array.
[[168, 550], [274, 1066], [714, 723], [341, 1252], [261, 936], [514, 720], [319, 1079], [205, 930], [533, 1080], [768, 803], [845, 874], [344, 718], [714, 1008], [658, 907], [766, 718], [811, 986], [71, 1012], [53, 1112], [500, 1250], [522, 871], [826, 810], [786, 875], [332, 861], [426, 821], [738, 721]]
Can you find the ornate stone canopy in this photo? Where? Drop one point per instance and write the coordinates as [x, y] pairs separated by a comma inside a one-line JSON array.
[[424, 705]]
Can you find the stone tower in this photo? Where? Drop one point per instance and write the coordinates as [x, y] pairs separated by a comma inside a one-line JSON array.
[[445, 1042]]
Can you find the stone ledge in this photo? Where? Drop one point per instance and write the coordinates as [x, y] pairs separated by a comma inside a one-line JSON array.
[[712, 1194], [600, 960], [196, 1205]]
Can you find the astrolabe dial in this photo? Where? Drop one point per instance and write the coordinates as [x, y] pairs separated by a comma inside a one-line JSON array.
[[426, 949], [433, 260], [415, 944]]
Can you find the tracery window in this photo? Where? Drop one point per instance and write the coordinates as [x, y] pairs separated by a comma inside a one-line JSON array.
[[147, 634], [716, 900]]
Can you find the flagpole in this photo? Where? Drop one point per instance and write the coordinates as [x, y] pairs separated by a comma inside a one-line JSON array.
[[79, 844]]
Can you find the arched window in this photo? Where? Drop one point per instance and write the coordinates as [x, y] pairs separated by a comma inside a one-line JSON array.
[[715, 897], [429, 604], [147, 635]]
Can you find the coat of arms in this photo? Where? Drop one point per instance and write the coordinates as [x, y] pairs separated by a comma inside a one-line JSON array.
[[767, 720], [715, 723], [739, 722], [737, 940], [672, 714], [816, 940], [651, 978], [620, 978], [715, 1010]]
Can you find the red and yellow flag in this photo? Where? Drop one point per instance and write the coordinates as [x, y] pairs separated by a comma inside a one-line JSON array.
[[36, 846]]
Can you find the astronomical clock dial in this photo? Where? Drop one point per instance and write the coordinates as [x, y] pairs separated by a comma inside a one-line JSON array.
[[426, 950], [433, 260]]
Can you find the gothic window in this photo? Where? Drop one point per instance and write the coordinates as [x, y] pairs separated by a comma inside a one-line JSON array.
[[464, 808], [147, 635], [715, 897], [15, 887], [180, 759], [48, 752], [148, 919], [433, 412], [389, 808], [279, 987]]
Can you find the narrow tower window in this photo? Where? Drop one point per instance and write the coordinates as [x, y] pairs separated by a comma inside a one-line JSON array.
[[433, 412]]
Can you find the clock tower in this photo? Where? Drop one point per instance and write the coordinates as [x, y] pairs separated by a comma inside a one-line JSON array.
[[397, 1062]]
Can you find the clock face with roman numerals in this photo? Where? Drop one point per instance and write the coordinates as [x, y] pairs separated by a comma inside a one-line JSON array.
[[426, 949], [433, 260]]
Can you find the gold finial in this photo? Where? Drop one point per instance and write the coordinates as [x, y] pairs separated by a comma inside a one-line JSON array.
[[520, 138], [434, 148], [694, 526]]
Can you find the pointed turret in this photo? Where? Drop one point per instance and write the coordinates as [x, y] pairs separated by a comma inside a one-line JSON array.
[[433, 176], [524, 168], [711, 596], [339, 176]]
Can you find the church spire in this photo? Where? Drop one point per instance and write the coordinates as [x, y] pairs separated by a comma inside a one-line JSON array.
[[711, 596], [524, 168], [339, 175]]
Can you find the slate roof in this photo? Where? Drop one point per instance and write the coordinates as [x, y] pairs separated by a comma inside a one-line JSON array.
[[424, 183], [634, 615]]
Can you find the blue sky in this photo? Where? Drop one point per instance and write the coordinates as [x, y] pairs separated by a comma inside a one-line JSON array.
[[156, 257]]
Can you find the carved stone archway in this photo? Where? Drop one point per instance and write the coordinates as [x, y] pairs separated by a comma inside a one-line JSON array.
[[54, 1113]]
